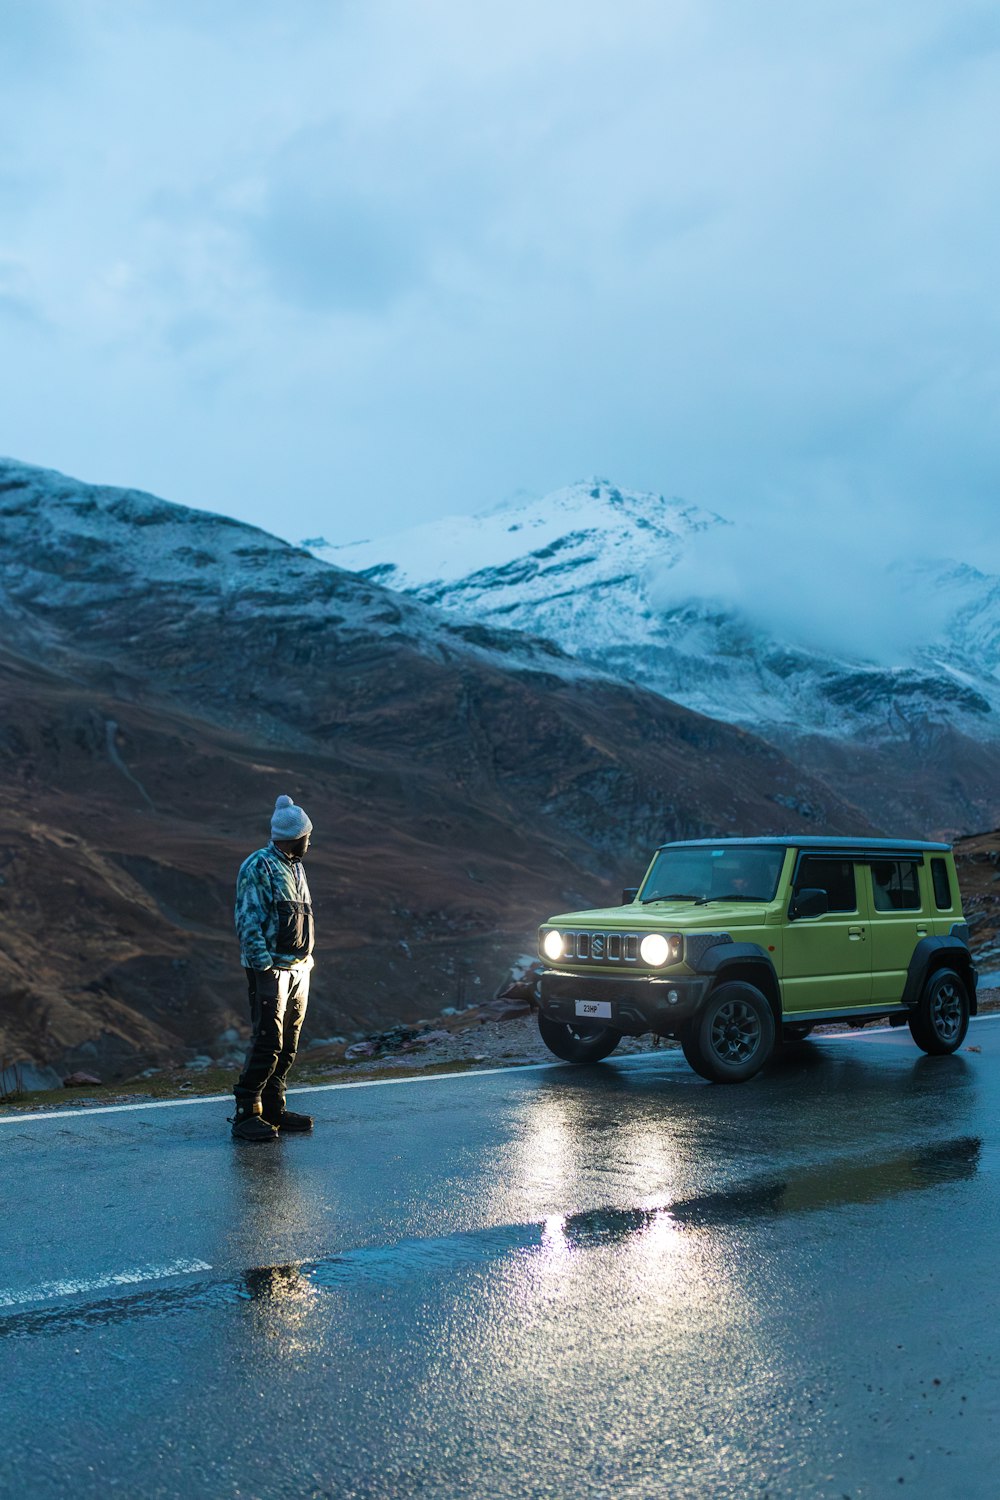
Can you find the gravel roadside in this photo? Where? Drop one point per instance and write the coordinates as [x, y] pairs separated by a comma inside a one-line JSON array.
[[497, 1043]]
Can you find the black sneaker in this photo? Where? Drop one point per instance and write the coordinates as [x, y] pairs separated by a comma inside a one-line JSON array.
[[249, 1124]]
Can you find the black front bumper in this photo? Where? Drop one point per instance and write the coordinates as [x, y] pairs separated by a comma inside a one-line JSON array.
[[639, 1003]]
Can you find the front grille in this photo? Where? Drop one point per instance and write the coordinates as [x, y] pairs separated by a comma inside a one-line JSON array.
[[601, 947]]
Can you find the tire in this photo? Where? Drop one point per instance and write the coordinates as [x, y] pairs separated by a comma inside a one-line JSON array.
[[578, 1041], [796, 1031], [941, 1018], [732, 1036]]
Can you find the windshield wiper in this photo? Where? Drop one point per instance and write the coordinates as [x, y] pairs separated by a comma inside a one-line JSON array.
[[673, 896]]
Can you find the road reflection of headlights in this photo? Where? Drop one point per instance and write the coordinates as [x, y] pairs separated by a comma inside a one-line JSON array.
[[552, 945], [554, 1240]]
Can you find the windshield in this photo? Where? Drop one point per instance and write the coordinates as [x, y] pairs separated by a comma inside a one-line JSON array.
[[725, 872]]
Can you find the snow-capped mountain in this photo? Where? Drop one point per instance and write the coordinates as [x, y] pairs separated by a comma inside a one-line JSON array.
[[615, 579], [541, 566]]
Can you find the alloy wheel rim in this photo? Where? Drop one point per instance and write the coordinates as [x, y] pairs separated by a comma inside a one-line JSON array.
[[946, 1011], [736, 1032]]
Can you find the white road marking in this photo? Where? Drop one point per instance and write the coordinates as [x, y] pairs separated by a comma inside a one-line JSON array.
[[310, 1088], [48, 1290], [853, 1036], [83, 1112]]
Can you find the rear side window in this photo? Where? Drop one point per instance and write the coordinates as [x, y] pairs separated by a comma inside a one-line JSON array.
[[835, 876], [896, 885], [942, 885]]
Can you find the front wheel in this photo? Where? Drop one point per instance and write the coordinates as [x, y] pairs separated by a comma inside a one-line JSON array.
[[732, 1036], [578, 1041], [941, 1019]]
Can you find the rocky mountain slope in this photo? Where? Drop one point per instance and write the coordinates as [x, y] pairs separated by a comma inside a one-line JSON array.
[[164, 673], [907, 722]]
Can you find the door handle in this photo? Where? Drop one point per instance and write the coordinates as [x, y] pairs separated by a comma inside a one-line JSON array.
[[921, 932], [856, 934]]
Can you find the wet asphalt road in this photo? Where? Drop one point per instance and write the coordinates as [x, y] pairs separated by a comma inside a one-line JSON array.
[[549, 1282]]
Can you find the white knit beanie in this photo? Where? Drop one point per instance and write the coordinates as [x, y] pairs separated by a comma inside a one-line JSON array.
[[289, 821]]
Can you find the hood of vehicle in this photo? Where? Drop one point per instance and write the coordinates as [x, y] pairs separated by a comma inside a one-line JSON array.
[[666, 916]]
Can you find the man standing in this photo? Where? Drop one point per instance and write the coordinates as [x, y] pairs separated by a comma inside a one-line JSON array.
[[274, 923]]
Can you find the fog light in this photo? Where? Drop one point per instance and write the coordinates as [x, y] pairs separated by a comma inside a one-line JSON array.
[[672, 997]]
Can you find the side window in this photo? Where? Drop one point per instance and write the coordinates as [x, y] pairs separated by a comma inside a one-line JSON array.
[[896, 885], [835, 876], [942, 885]]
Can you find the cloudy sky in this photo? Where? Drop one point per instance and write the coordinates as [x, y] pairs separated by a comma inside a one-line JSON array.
[[337, 266]]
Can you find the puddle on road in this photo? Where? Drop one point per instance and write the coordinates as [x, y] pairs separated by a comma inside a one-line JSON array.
[[836, 1184]]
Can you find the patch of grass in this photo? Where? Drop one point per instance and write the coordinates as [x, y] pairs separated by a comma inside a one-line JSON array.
[[454, 1065], [171, 1084]]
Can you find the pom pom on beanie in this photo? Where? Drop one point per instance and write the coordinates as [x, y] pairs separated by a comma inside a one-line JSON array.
[[289, 821]]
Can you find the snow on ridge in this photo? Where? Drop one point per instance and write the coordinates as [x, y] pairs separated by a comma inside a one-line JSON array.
[[451, 549], [69, 545], [595, 569]]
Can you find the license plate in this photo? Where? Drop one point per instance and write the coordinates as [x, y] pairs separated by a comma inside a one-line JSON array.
[[594, 1010]]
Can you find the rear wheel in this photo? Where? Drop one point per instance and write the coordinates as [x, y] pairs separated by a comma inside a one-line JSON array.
[[732, 1036], [578, 1041], [941, 1019]]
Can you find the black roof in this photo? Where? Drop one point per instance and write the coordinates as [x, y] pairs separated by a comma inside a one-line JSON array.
[[813, 841]]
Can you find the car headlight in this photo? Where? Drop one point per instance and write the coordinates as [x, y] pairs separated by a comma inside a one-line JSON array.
[[552, 945], [656, 950]]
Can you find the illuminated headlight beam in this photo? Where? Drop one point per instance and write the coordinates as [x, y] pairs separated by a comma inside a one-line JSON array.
[[552, 945], [654, 950]]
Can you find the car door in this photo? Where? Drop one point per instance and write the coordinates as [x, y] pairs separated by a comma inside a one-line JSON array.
[[899, 920], [826, 961]]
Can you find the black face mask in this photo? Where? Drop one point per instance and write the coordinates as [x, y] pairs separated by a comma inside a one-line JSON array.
[[296, 848]]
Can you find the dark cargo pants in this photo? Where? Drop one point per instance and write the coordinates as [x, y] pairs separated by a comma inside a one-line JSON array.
[[278, 1000]]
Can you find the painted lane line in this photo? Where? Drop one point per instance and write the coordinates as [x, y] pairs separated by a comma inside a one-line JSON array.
[[48, 1290], [854, 1036], [86, 1111]]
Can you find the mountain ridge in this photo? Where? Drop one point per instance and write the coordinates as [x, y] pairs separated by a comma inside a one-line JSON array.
[[167, 673]]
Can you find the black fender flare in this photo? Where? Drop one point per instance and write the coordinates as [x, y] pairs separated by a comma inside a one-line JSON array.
[[925, 958], [724, 956]]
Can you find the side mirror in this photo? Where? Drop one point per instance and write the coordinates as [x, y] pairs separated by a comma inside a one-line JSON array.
[[808, 903], [629, 894]]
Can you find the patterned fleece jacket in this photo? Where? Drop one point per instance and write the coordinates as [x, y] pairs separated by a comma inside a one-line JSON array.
[[274, 916]]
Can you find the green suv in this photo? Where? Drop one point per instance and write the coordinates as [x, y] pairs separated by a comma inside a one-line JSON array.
[[734, 945]]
